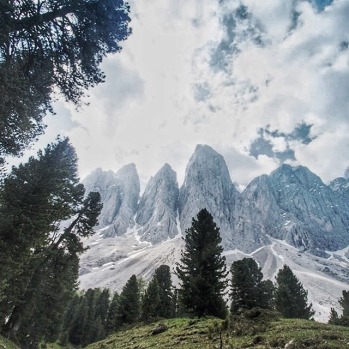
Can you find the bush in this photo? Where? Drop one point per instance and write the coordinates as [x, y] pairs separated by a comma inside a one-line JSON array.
[[253, 321]]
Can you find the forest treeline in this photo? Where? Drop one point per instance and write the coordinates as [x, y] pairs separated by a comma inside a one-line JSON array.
[[205, 289]]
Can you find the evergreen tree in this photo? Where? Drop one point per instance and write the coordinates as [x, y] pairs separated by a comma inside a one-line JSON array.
[[70, 317], [102, 306], [267, 292], [291, 299], [129, 302], [39, 258], [151, 304], [344, 303], [48, 46], [334, 318], [163, 277], [202, 269], [112, 324], [342, 320], [246, 285], [86, 318]]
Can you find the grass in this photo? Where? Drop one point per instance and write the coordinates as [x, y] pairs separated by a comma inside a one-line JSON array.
[[6, 344], [181, 333], [301, 333], [205, 334]]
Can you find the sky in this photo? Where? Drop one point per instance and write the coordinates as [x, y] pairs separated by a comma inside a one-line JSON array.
[[262, 82]]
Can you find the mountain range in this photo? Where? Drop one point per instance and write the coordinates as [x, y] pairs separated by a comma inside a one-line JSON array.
[[289, 216]]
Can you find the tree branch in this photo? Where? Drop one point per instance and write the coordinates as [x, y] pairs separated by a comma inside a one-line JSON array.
[[40, 18]]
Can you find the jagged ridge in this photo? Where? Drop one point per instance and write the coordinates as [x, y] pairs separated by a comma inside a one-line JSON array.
[[290, 204]]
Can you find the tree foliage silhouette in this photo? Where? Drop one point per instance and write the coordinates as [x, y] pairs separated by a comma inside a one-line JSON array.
[[291, 299], [47, 47], [39, 256], [202, 269]]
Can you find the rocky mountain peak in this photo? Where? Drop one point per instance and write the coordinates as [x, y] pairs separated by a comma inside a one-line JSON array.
[[157, 210], [340, 184], [294, 204], [207, 185], [298, 175], [291, 204], [120, 194], [99, 180]]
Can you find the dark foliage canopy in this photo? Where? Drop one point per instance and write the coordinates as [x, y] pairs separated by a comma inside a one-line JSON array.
[[85, 317], [50, 46], [344, 303], [39, 256], [291, 299], [129, 303], [158, 299], [247, 288], [202, 269], [163, 277], [342, 319]]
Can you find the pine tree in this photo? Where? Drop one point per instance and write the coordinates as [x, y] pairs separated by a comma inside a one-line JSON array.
[[246, 285], [86, 318], [48, 47], [291, 299], [112, 324], [163, 276], [70, 318], [102, 306], [267, 294], [39, 258], [334, 318], [344, 303], [342, 320], [129, 303], [202, 269], [247, 288], [151, 304]]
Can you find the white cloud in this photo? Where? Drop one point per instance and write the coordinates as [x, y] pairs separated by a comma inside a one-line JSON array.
[[149, 111]]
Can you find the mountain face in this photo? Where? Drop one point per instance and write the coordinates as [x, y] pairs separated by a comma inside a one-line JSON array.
[[341, 186], [208, 185], [157, 209], [290, 204], [294, 205], [119, 194]]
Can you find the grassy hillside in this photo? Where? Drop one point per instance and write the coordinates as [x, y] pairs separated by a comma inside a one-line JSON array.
[[205, 334], [6, 344]]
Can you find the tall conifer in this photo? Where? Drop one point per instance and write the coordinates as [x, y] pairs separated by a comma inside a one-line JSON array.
[[129, 302], [39, 257], [291, 299], [202, 269], [247, 287], [163, 276]]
